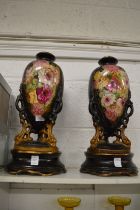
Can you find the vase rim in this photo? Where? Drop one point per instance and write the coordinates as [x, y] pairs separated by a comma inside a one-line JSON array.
[[45, 56], [108, 60]]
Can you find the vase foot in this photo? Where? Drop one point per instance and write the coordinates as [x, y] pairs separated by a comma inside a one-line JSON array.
[[35, 164], [109, 164]]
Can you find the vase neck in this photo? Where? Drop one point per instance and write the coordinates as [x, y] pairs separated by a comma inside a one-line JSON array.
[[108, 60], [45, 56]]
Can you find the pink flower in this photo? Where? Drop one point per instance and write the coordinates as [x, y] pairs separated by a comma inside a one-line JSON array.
[[126, 82], [111, 115], [113, 85], [115, 111], [120, 102], [107, 100], [44, 94], [37, 109], [40, 63], [49, 75], [111, 67]]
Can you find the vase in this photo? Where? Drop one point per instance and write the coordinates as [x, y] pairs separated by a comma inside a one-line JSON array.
[[110, 106], [39, 102]]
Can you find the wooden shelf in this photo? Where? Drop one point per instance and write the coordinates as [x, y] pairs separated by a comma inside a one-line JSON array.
[[73, 176]]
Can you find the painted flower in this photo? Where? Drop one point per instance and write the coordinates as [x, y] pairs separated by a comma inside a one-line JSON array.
[[107, 100], [97, 78], [124, 93], [115, 110], [37, 109], [111, 67], [32, 97], [97, 75], [49, 75], [101, 82], [110, 115], [44, 94], [123, 77], [120, 102], [49, 78], [119, 106], [118, 110], [28, 75], [113, 85], [39, 64], [126, 82], [41, 75]]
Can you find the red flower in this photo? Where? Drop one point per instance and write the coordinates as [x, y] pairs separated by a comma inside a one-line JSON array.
[[49, 75], [111, 68], [111, 115], [43, 94], [37, 109]]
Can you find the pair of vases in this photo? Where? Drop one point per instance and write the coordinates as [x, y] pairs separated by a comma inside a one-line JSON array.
[[39, 102]]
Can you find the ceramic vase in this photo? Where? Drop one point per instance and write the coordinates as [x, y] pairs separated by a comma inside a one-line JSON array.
[[39, 102], [110, 106]]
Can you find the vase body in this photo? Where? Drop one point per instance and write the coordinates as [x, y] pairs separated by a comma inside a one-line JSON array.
[[39, 102], [41, 88], [110, 107], [109, 91]]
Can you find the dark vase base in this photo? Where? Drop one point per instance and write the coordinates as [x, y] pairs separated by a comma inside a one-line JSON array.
[[47, 164], [109, 165]]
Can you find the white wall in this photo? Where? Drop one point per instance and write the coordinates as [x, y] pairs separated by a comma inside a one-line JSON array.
[[73, 127], [91, 19]]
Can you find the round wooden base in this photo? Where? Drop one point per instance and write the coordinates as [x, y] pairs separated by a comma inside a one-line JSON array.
[[109, 163], [35, 164]]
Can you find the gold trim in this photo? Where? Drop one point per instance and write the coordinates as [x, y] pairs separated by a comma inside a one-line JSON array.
[[109, 152], [115, 173], [35, 150], [24, 134], [122, 139], [29, 171], [46, 135], [97, 138]]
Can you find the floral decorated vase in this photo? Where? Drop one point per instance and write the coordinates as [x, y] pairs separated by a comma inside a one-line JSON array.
[[39, 102], [109, 89], [42, 90], [110, 107]]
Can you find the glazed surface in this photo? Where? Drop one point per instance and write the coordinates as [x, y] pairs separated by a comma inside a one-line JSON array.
[[40, 83], [112, 85]]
